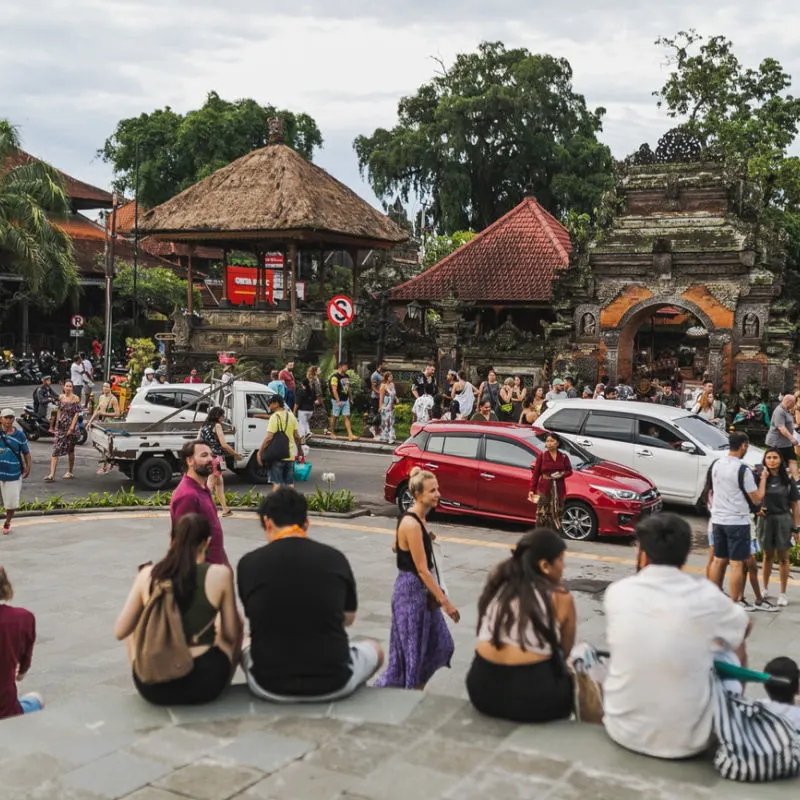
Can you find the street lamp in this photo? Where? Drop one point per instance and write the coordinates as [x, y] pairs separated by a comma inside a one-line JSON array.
[[413, 309]]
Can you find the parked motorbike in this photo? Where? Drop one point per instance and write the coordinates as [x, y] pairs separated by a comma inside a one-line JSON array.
[[48, 365], [8, 372], [29, 371], [34, 425]]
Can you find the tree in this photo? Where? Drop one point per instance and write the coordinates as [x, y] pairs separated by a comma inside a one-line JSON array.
[[157, 289], [435, 248], [32, 245], [178, 150], [476, 139]]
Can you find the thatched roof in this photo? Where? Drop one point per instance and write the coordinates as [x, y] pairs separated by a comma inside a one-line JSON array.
[[276, 195]]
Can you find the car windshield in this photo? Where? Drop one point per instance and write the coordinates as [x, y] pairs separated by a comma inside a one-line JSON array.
[[578, 457], [703, 431]]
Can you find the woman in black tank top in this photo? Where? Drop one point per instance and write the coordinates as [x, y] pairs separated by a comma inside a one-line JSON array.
[[420, 642]]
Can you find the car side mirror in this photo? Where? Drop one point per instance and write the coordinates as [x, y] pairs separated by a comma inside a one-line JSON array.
[[688, 447]]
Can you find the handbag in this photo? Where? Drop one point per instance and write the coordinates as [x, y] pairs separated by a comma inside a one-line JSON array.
[[278, 448], [585, 667], [506, 408], [754, 744]]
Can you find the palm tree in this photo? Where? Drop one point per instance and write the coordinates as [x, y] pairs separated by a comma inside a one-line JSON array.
[[32, 245]]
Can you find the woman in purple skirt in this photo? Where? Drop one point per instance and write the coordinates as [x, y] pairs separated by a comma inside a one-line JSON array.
[[420, 642]]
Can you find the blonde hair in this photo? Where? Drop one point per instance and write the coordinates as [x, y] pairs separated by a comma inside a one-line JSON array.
[[311, 372], [417, 478], [6, 590]]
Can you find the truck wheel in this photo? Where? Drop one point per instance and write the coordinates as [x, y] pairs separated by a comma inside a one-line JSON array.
[[154, 472], [254, 473]]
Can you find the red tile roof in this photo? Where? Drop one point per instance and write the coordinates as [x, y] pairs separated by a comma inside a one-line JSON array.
[[514, 259]]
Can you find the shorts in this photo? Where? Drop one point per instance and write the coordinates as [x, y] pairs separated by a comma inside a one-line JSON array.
[[30, 703], [282, 473], [775, 532], [732, 542], [787, 454], [340, 410], [210, 675], [218, 464], [10, 491], [363, 665]]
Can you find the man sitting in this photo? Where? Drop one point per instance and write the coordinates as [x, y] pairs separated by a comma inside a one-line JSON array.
[[663, 628], [299, 596], [782, 699]]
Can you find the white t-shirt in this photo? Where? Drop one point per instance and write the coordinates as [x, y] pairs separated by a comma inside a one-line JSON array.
[[790, 713], [87, 369], [729, 505], [661, 628], [76, 374]]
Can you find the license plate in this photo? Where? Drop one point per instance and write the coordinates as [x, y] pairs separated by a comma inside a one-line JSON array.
[[655, 508]]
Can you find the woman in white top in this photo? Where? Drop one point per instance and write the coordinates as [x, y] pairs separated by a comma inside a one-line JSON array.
[[526, 627], [464, 393]]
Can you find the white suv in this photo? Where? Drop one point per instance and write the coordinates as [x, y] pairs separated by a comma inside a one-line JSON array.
[[671, 446], [151, 403]]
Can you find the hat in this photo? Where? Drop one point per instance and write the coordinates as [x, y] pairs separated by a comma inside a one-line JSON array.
[[7, 412], [149, 371], [558, 382]]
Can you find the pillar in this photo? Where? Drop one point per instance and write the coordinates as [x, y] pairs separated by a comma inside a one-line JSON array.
[[225, 300], [189, 284], [292, 287]]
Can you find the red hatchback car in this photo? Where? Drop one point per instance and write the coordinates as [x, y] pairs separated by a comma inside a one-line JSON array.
[[485, 469]]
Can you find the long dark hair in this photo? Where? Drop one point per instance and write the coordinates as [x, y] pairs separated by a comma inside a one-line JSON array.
[[215, 415], [180, 563], [519, 578], [783, 473]]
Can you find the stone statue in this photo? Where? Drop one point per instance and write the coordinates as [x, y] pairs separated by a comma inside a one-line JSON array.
[[588, 327], [750, 326]]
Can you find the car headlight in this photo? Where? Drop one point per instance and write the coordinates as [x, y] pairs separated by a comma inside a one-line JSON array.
[[618, 494]]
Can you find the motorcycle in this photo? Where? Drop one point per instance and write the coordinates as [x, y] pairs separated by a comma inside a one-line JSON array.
[[29, 371], [34, 425], [48, 365], [757, 414], [8, 372]]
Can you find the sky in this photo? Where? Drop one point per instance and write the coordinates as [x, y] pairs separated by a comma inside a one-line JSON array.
[[70, 69]]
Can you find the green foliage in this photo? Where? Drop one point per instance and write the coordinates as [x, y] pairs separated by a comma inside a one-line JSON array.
[[94, 328], [157, 289], [495, 126], [341, 501], [32, 244], [143, 351], [177, 150], [435, 248]]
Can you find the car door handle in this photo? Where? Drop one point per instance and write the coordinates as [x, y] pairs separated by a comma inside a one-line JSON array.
[[644, 453], [252, 427], [431, 466], [585, 442], [487, 475]]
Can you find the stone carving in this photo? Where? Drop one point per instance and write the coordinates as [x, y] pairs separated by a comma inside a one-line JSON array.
[[644, 155], [678, 146], [588, 325], [294, 335], [750, 326], [747, 372], [274, 130], [181, 330], [727, 294]]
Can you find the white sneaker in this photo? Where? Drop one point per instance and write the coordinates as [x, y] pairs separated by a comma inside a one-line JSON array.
[[765, 605], [746, 606], [783, 600]]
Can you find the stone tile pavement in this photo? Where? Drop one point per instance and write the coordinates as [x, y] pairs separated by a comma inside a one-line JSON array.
[[97, 739]]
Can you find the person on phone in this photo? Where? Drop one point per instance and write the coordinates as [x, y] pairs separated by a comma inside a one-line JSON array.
[[548, 486], [526, 630], [419, 642]]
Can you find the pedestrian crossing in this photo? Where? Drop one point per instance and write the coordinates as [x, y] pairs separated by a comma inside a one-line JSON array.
[[14, 402]]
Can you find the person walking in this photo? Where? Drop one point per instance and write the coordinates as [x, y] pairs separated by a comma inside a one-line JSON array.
[[286, 375], [782, 436], [339, 385], [66, 437], [206, 601], [387, 399], [304, 408], [464, 394], [319, 418], [15, 465], [192, 496], [375, 380], [419, 643], [778, 521], [17, 637], [548, 487], [281, 471], [214, 436], [526, 629], [489, 391]]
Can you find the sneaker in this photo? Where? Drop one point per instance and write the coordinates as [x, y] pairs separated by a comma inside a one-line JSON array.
[[783, 600], [373, 431], [765, 605], [746, 606]]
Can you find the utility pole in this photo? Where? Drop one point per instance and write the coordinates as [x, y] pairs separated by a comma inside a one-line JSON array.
[[135, 239], [109, 270]]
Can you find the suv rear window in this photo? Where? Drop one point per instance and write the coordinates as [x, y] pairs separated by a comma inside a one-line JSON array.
[[568, 420], [614, 427]]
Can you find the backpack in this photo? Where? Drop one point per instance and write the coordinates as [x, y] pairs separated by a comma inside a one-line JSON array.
[[278, 448], [754, 508]]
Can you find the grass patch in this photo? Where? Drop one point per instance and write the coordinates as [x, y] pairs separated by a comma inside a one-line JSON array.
[[341, 501]]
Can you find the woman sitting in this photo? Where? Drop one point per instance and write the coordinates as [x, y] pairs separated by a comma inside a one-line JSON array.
[[207, 604], [526, 627]]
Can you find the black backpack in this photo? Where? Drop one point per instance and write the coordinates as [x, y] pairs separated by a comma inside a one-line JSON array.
[[754, 508], [278, 448]]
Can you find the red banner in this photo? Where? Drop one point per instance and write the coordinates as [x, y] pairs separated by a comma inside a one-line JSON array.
[[242, 285]]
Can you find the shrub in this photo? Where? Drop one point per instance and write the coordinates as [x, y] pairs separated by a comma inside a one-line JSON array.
[[340, 501]]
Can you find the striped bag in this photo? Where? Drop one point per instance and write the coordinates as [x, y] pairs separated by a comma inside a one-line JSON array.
[[753, 744]]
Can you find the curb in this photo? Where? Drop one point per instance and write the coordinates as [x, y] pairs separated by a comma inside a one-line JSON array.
[[365, 446], [59, 512]]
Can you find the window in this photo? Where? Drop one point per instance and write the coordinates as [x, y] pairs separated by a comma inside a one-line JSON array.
[[654, 434], [578, 457], [435, 443], [199, 404], [168, 399], [503, 451], [257, 404], [461, 446], [609, 426], [568, 420], [702, 430]]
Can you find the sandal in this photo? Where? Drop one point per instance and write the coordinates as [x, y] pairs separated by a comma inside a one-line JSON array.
[[68, 476], [6, 529], [228, 513], [49, 479]]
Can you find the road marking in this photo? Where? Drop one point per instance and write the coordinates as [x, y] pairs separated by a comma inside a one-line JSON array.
[[318, 523]]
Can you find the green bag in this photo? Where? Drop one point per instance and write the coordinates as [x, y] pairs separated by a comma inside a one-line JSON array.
[[506, 408]]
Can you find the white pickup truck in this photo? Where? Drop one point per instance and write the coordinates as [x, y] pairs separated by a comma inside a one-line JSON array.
[[149, 452]]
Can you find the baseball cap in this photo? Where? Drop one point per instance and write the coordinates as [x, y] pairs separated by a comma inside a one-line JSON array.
[[558, 382], [7, 412]]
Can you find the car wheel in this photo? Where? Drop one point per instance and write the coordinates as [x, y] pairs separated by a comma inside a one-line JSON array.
[[255, 473], [154, 472], [404, 498], [578, 522]]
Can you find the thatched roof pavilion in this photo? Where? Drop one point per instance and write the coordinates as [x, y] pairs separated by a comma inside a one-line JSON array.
[[272, 199]]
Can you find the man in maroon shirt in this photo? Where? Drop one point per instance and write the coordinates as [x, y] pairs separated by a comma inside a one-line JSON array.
[[287, 376], [193, 497], [17, 635]]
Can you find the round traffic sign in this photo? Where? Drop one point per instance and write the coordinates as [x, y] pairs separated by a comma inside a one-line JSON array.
[[77, 321], [340, 310]]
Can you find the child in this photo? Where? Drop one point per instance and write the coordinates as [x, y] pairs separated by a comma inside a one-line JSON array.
[[782, 698]]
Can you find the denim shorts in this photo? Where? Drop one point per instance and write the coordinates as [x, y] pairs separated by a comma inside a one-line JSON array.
[[282, 472], [340, 410], [732, 542]]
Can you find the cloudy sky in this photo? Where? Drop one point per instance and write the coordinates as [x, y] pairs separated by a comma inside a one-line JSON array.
[[70, 69]]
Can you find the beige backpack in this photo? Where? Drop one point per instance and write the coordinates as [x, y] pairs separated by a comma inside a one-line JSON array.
[[161, 652]]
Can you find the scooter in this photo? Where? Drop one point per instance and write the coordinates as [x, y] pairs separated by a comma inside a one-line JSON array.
[[34, 425], [8, 373]]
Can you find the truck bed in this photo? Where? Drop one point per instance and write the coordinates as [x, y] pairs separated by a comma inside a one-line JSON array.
[[129, 440]]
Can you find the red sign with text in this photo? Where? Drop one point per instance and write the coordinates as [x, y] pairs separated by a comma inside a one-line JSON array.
[[242, 285]]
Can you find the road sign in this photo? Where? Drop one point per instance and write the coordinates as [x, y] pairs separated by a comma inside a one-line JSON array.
[[77, 321], [76, 332], [340, 310]]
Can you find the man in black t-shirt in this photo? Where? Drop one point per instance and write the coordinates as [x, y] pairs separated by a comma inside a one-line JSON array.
[[425, 383], [299, 596]]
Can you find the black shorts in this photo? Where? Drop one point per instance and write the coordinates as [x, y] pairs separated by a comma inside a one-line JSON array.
[[206, 682], [787, 454], [527, 693], [732, 542]]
